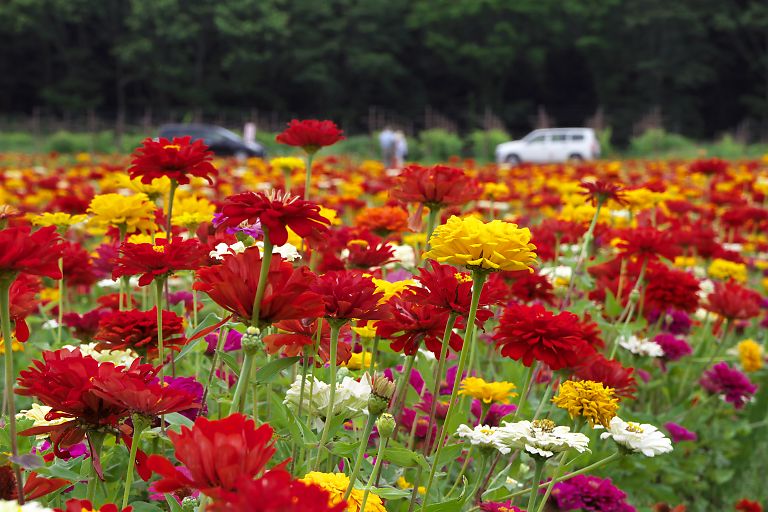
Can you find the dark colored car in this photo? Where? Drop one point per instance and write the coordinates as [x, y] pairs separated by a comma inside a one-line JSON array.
[[221, 141]]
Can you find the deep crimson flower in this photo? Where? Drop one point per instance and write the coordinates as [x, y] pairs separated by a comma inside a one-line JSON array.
[[217, 454], [731, 383], [276, 491], [23, 303], [745, 505], [35, 487], [436, 187], [294, 335], [732, 301], [35, 253], [310, 134], [647, 243], [137, 330], [78, 267], [414, 322], [177, 159], [449, 290], [348, 294], [601, 191], [276, 211], [529, 287], [159, 260], [609, 372], [532, 333], [711, 166], [367, 251], [670, 288], [75, 505], [287, 296], [134, 393]]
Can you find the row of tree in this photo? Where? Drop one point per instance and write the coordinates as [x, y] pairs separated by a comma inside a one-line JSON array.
[[703, 64]]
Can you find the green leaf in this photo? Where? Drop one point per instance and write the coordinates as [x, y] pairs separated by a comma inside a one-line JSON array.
[[173, 504], [612, 306], [231, 362], [175, 419], [188, 348], [268, 372], [405, 458], [390, 493]]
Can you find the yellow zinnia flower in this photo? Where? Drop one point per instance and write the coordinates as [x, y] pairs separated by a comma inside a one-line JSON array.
[[751, 355], [336, 485], [359, 360], [726, 269], [368, 330], [58, 219], [391, 289], [402, 483], [192, 211], [288, 163], [591, 400], [134, 213], [491, 246], [16, 346], [488, 392]]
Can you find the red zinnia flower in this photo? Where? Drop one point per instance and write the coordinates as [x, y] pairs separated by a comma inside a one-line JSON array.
[[159, 260], [711, 166], [601, 191], [609, 372], [135, 394], [310, 134], [449, 290], [35, 487], [35, 253], [745, 505], [294, 335], [75, 505], [348, 294], [733, 302], [436, 187], [23, 303], [366, 251], [647, 243], [178, 159], [414, 322], [276, 491], [137, 330], [78, 268], [216, 453], [287, 296], [276, 211], [531, 333]]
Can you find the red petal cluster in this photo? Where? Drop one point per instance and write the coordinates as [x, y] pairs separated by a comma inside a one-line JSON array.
[[75, 505], [287, 296], [294, 335], [23, 303], [348, 294], [449, 290], [732, 301], [436, 187], [137, 330], [35, 253], [601, 191], [310, 134], [78, 267], [177, 159], [158, 260], [609, 372], [414, 322], [647, 243]]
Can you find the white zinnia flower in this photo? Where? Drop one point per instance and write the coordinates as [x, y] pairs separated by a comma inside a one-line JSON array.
[[351, 398], [642, 438], [483, 436], [403, 255], [223, 249], [641, 347], [542, 437], [117, 357], [13, 506], [558, 274], [37, 414]]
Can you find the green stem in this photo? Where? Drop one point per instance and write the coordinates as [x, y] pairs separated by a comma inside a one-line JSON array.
[[308, 179], [360, 454], [478, 277], [551, 484], [335, 328], [461, 471], [171, 194], [238, 400], [582, 255], [374, 354], [159, 308], [480, 475], [438, 375], [535, 484], [402, 386], [96, 441], [434, 214], [139, 425], [5, 320], [60, 318], [523, 392], [266, 260], [375, 472]]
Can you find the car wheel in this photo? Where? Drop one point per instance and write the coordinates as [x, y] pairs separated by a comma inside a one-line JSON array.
[[513, 160], [576, 157]]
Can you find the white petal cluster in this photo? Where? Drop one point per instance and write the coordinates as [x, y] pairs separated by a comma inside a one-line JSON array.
[[223, 249], [403, 255], [641, 438], [117, 357], [641, 346], [542, 437], [13, 506], [483, 436], [37, 414], [351, 398]]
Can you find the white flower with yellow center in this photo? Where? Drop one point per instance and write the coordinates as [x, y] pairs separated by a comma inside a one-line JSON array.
[[542, 437], [484, 437], [638, 437], [351, 399], [116, 357], [641, 347]]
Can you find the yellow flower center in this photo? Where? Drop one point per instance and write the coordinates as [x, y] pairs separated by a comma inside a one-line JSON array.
[[634, 427], [158, 248], [462, 277], [544, 425], [172, 146]]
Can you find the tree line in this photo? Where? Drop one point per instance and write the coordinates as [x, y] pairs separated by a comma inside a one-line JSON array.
[[699, 67]]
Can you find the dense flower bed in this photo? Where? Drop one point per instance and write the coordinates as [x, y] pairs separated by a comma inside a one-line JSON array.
[[199, 334]]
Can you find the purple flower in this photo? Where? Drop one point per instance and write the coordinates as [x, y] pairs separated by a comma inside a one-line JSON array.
[[495, 506], [194, 388], [590, 493], [416, 380], [495, 412], [254, 230], [425, 405], [446, 386], [674, 348], [679, 433], [181, 296], [408, 416], [730, 382], [675, 322], [233, 341]]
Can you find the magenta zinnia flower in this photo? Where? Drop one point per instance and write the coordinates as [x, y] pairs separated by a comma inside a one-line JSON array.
[[730, 382]]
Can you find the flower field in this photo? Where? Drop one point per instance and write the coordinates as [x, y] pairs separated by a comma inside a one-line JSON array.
[[313, 334]]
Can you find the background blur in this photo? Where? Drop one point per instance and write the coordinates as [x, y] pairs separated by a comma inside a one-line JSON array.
[[629, 68]]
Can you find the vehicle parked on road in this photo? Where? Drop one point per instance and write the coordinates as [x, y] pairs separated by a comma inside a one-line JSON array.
[[550, 145], [221, 141]]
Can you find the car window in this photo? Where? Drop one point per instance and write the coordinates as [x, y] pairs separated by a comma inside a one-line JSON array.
[[540, 138], [558, 137], [577, 136]]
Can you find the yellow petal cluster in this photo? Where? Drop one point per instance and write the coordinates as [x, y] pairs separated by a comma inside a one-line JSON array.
[[58, 219], [591, 400], [726, 269], [478, 245], [336, 485], [192, 211], [488, 392], [751, 355], [134, 213]]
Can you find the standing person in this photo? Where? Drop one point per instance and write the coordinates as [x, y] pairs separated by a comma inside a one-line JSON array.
[[401, 149], [387, 143]]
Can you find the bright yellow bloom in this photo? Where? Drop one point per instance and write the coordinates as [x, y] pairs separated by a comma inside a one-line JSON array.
[[16, 346], [751, 355], [493, 190], [495, 245], [402, 483], [134, 213], [685, 261], [158, 186], [589, 399], [391, 289], [288, 163], [49, 295], [415, 238], [336, 485], [725, 269], [58, 219], [330, 214], [359, 360], [368, 330], [192, 211], [643, 198], [488, 392]]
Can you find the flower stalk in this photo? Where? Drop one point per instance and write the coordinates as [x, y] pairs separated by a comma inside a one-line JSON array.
[[140, 424], [336, 325]]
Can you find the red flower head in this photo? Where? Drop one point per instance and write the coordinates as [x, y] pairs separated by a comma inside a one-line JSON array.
[[178, 159], [35, 487], [294, 335], [448, 290], [75, 505], [276, 211], [529, 287], [599, 192], [347, 295], [733, 302], [647, 243], [310, 134], [436, 187], [78, 267], [134, 393], [711, 166], [413, 323], [159, 260], [276, 492], [137, 330], [383, 220], [531, 333], [669, 288], [35, 253], [609, 372], [287, 296], [23, 303], [217, 454], [745, 505], [366, 251]]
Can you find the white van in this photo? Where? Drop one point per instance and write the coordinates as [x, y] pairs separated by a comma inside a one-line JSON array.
[[550, 145]]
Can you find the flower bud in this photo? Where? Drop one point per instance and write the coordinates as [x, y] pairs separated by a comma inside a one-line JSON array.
[[251, 341], [189, 504], [342, 372], [386, 425], [382, 390], [634, 296]]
